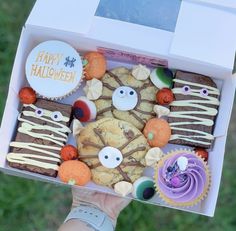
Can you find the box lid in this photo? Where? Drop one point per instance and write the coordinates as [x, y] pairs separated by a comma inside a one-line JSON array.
[[205, 32], [72, 15]]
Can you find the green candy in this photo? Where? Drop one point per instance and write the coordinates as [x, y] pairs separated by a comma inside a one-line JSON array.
[[162, 77], [150, 136], [144, 188]]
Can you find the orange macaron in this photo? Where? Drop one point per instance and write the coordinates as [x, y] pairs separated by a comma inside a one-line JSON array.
[[74, 172], [96, 65], [158, 132]]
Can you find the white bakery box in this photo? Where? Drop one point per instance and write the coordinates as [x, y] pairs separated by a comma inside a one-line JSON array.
[[204, 41]]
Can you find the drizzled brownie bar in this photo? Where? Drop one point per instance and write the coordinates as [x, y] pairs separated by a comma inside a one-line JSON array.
[[192, 114], [43, 129]]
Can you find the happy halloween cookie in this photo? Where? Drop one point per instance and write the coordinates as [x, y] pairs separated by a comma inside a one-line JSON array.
[[126, 98], [54, 69], [114, 150]]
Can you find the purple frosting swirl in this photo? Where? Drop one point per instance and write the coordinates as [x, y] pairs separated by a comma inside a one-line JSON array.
[[182, 186]]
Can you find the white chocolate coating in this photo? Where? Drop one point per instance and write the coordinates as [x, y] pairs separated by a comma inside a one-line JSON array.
[[153, 156], [124, 98], [93, 89], [123, 188], [110, 157], [140, 72]]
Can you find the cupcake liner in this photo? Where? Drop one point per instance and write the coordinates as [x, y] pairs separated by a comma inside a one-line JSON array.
[[170, 201]]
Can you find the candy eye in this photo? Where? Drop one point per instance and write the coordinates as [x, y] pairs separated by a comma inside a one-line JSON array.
[[121, 92], [131, 93], [56, 116], [143, 188], [204, 92], [186, 90], [84, 110], [39, 112], [110, 157]]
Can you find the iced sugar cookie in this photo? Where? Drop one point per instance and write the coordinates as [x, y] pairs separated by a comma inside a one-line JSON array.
[[54, 69]]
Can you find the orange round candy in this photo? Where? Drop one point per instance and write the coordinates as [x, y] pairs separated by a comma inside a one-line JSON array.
[[27, 95], [96, 66], [158, 132], [69, 152], [74, 172], [202, 153], [164, 96]]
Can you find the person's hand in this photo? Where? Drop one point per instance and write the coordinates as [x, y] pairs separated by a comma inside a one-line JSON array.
[[111, 205]]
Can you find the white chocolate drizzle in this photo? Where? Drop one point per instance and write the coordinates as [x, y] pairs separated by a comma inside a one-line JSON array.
[[23, 158], [28, 127], [37, 148], [47, 113], [195, 120]]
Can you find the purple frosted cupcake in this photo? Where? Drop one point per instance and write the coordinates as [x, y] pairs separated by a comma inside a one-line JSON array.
[[182, 178]]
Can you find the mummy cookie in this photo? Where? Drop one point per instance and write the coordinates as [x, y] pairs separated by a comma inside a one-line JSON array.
[[126, 98], [42, 131], [193, 112], [84, 110]]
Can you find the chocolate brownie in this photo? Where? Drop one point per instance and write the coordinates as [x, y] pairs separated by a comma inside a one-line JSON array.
[[193, 112], [42, 130]]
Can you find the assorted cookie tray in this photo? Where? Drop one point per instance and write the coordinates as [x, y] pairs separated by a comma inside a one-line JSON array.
[[129, 130]]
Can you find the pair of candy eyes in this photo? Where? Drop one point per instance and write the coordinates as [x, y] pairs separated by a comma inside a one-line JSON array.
[[186, 90], [107, 157], [55, 116], [123, 92]]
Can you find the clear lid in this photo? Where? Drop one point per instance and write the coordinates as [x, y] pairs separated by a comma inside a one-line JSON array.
[[160, 14]]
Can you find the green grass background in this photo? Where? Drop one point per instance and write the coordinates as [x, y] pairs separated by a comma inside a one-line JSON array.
[[27, 205]]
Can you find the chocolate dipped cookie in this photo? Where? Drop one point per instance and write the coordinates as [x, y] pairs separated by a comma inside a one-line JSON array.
[[42, 131], [193, 112]]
